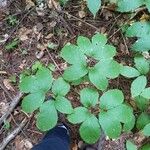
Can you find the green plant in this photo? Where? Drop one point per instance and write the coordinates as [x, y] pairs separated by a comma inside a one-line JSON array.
[[12, 20], [89, 61], [89, 58], [131, 5], [12, 45], [141, 30], [130, 146], [94, 6]]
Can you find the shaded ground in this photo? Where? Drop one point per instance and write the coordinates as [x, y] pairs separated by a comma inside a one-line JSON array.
[[35, 30]]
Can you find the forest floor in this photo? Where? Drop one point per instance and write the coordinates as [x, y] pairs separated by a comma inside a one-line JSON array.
[[31, 29]]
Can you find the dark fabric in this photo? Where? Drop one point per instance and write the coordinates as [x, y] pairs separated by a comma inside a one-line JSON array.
[[55, 139]]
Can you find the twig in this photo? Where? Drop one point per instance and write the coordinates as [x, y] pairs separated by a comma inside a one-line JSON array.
[[127, 50], [5, 90], [12, 135], [90, 25], [13, 104], [54, 61]]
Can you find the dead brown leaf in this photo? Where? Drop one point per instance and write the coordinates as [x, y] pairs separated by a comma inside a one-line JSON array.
[[8, 85], [23, 33], [29, 4]]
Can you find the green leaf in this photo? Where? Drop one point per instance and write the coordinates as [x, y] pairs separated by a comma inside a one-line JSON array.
[[90, 130], [42, 81], [146, 93], [94, 6], [111, 99], [145, 147], [130, 146], [128, 5], [111, 127], [143, 120], [60, 87], [142, 103], [89, 97], [106, 52], [147, 3], [146, 130], [110, 68], [79, 115], [142, 64], [63, 2], [123, 113], [84, 44], [32, 102], [138, 29], [12, 45], [63, 105], [129, 125], [138, 85], [142, 44], [129, 72], [75, 72], [73, 55], [47, 117], [97, 78], [99, 40]]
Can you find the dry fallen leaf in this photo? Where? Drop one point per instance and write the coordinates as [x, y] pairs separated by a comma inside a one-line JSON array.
[[22, 144], [23, 33], [29, 4], [82, 14], [3, 72], [8, 85], [3, 108]]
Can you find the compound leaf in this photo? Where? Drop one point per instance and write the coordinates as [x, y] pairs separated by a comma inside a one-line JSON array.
[[89, 97], [138, 85], [90, 130], [79, 115], [60, 87], [111, 99], [129, 72], [94, 6], [47, 117], [63, 105], [32, 102]]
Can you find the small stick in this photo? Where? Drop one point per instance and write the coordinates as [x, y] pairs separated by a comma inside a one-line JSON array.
[[12, 106], [6, 91], [76, 18], [12, 135]]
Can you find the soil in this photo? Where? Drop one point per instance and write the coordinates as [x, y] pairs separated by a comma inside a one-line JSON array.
[[35, 29]]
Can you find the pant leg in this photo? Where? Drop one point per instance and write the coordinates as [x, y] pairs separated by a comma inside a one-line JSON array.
[[56, 139]]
